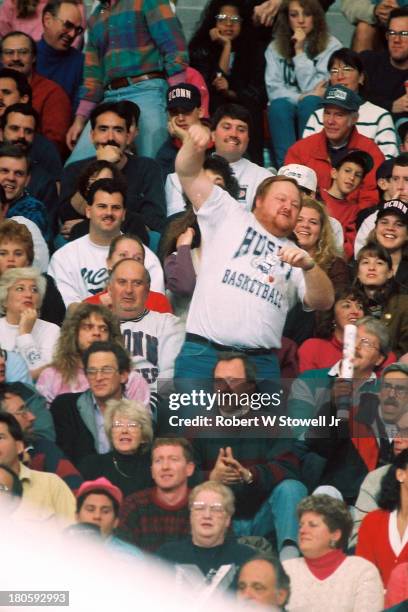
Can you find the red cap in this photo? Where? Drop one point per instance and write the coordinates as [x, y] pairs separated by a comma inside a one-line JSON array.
[[100, 484]]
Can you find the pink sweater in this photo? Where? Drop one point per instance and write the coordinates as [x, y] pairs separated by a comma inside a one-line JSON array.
[[50, 384]]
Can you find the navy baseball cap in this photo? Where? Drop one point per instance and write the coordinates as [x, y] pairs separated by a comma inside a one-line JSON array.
[[184, 96], [338, 95]]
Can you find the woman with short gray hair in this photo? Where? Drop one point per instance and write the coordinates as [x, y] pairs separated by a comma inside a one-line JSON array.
[[21, 293], [128, 425]]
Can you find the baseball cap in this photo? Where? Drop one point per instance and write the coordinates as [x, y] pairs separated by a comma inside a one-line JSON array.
[[384, 171], [304, 176], [396, 367], [101, 485], [357, 156], [338, 95], [183, 96], [395, 207]]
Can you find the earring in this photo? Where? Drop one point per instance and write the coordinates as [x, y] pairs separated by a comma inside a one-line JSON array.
[[332, 543]]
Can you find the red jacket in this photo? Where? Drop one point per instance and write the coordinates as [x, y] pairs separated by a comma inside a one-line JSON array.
[[54, 107], [312, 152], [374, 544]]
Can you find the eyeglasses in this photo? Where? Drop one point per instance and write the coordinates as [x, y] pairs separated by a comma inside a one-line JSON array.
[[395, 34], [129, 425], [69, 26], [21, 411], [19, 52], [366, 343], [231, 18], [215, 508], [343, 69], [402, 433], [398, 390], [105, 370]]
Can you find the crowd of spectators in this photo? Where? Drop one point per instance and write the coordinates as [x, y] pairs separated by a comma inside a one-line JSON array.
[[224, 219]]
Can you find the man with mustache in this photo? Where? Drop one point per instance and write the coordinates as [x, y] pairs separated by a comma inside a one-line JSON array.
[[133, 50], [393, 410], [79, 267], [114, 125], [18, 51]]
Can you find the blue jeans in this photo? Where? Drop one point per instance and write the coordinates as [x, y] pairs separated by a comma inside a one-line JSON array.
[[287, 120], [150, 96], [277, 513], [196, 362]]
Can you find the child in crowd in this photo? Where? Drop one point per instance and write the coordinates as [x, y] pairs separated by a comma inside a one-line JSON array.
[[347, 175]]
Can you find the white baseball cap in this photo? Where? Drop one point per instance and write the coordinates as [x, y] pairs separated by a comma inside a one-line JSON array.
[[304, 176]]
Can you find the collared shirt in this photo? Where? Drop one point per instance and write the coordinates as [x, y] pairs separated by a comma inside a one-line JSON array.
[[335, 371], [396, 541], [46, 497], [131, 38], [104, 446]]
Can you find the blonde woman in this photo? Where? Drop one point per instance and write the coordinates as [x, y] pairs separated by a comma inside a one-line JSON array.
[[21, 294], [128, 426]]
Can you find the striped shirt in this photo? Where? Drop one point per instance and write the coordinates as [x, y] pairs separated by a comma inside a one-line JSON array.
[[131, 38], [373, 121]]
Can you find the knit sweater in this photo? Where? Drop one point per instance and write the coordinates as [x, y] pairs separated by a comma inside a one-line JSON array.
[[354, 587], [149, 523], [374, 544]]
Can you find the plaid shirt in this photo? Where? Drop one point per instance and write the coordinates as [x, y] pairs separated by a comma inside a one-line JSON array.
[[148, 523], [131, 38]]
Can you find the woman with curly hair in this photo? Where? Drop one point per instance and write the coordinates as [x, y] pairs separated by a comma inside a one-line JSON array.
[[326, 348], [314, 234], [87, 323], [325, 578], [21, 294], [296, 71], [226, 51], [383, 535]]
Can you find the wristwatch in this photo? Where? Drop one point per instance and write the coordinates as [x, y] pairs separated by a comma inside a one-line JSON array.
[[250, 479]]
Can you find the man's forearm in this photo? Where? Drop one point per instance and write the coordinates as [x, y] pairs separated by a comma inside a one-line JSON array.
[[319, 289], [189, 160]]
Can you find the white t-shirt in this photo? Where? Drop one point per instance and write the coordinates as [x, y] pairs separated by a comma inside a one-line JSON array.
[[248, 175], [79, 269], [153, 340], [36, 348], [243, 291]]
